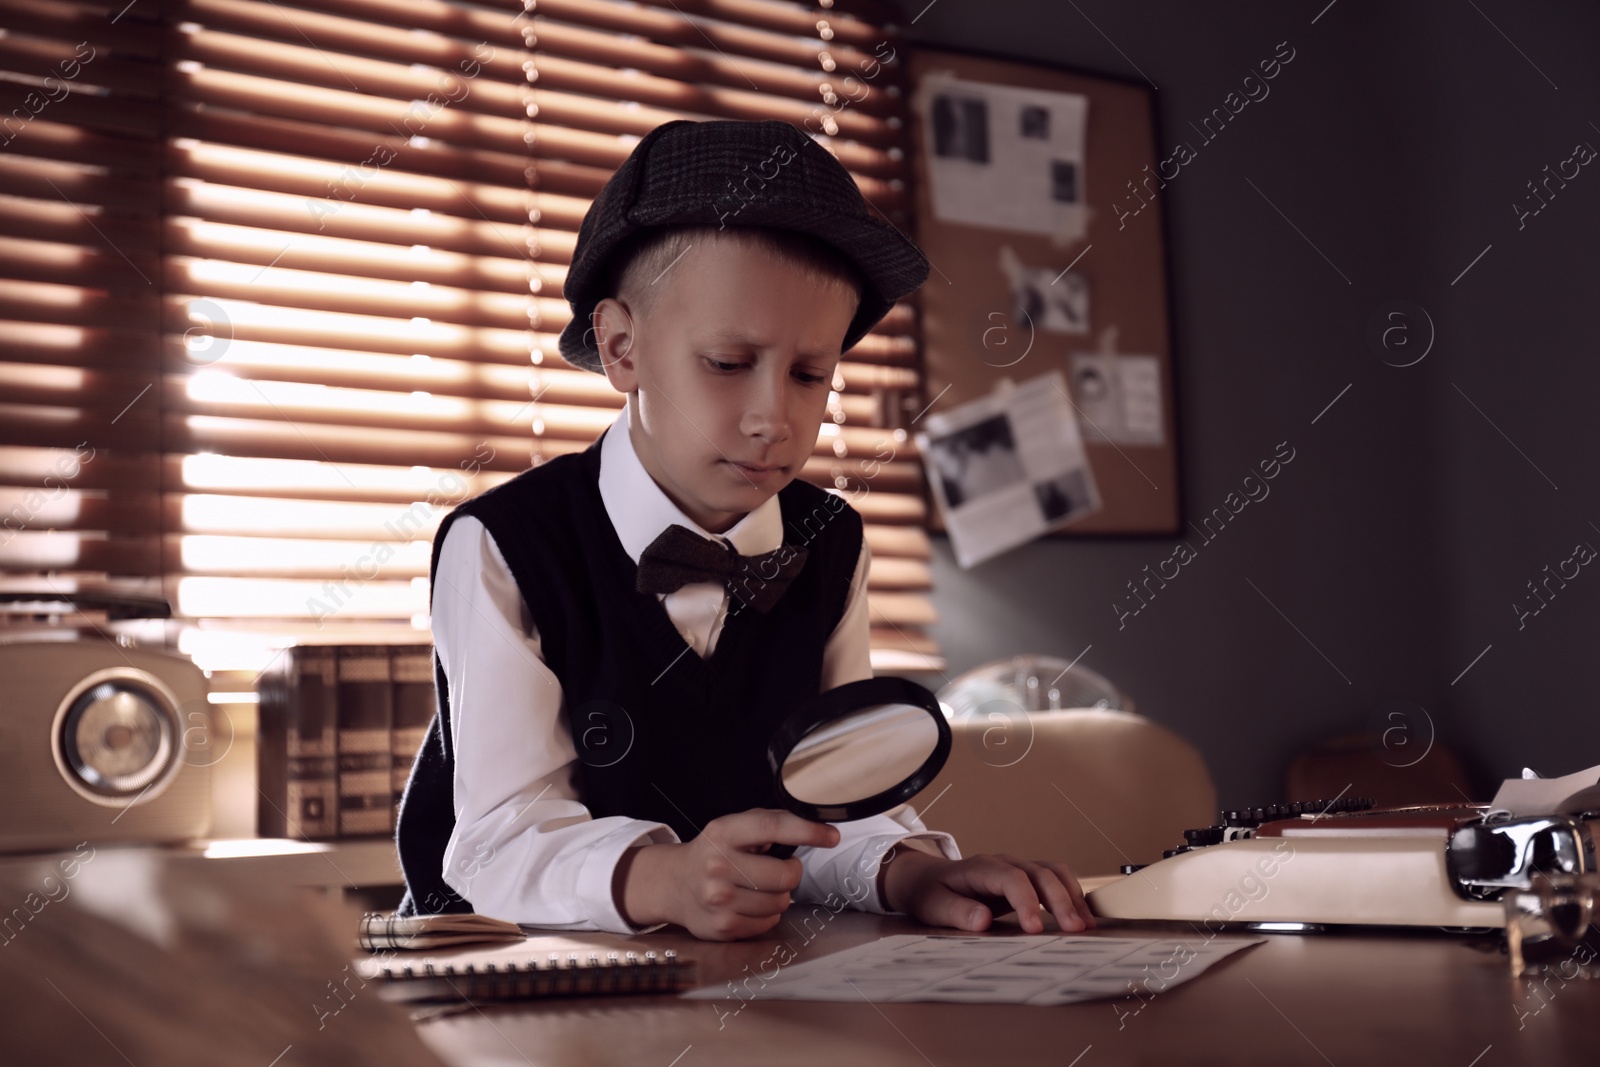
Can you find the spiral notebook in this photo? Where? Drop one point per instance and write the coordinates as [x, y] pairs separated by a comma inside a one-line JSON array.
[[513, 973]]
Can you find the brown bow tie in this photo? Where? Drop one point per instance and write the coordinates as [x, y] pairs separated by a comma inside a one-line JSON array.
[[680, 556]]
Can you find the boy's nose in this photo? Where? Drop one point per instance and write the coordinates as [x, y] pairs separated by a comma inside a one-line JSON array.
[[766, 423], [766, 416]]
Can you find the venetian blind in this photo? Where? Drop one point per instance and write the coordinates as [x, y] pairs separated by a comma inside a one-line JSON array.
[[280, 282]]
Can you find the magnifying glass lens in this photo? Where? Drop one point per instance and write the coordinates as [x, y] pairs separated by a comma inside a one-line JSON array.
[[857, 750], [866, 753]]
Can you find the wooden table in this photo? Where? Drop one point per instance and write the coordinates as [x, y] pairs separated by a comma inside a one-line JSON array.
[[1423, 998]]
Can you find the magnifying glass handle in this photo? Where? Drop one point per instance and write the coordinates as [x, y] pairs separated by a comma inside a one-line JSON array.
[[781, 852]]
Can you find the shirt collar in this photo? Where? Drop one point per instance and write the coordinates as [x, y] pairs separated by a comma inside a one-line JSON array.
[[639, 510]]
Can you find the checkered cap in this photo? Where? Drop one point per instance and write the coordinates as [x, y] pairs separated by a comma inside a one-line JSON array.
[[767, 174]]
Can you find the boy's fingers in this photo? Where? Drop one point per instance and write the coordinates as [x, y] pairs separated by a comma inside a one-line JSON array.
[[759, 905], [770, 875], [944, 906], [797, 831], [767, 826], [1005, 878], [1057, 897], [1000, 882], [1080, 903]]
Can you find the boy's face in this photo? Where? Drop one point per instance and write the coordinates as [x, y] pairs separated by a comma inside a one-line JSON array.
[[728, 373]]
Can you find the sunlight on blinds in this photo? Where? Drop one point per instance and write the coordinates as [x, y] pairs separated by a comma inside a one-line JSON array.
[[280, 284]]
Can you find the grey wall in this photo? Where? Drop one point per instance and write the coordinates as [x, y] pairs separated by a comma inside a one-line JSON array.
[[1394, 544]]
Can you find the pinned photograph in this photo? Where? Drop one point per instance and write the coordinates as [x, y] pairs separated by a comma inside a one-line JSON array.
[[1060, 497], [1036, 122], [1048, 298], [1119, 397], [1052, 300], [1005, 157], [961, 127], [1008, 467], [976, 461], [1064, 181]]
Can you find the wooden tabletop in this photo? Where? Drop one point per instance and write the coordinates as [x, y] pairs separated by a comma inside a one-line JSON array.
[[1423, 998]]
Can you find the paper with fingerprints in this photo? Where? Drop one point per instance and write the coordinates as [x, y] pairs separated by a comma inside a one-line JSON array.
[[1039, 970]]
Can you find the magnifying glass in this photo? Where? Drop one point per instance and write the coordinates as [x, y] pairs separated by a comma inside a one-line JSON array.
[[857, 750]]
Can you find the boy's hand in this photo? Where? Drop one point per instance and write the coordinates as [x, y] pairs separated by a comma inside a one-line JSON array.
[[718, 885], [968, 893]]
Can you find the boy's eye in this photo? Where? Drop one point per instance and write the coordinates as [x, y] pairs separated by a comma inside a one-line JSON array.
[[723, 366]]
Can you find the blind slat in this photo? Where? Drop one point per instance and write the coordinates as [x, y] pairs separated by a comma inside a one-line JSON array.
[[54, 182], [800, 20], [474, 110], [313, 254], [76, 346], [486, 159], [62, 224], [309, 213], [82, 22], [733, 38], [329, 189], [857, 22], [94, 268], [74, 306]]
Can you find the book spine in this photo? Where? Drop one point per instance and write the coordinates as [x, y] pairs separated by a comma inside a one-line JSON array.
[[295, 753], [413, 710], [365, 719], [313, 795], [272, 757]]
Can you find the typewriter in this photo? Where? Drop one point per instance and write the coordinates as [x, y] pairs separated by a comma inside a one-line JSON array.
[[1313, 864]]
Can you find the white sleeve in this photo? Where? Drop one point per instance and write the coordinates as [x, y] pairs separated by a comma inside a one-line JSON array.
[[525, 848], [849, 870]]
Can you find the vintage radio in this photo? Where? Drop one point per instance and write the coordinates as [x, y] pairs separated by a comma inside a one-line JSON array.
[[1306, 865], [101, 743]]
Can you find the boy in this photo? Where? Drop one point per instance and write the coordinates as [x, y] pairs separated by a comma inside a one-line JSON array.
[[619, 631]]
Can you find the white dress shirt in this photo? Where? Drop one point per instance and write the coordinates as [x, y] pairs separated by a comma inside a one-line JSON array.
[[525, 848]]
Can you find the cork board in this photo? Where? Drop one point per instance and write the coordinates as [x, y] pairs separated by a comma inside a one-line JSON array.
[[982, 317]]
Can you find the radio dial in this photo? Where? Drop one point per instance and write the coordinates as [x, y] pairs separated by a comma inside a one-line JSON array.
[[117, 738]]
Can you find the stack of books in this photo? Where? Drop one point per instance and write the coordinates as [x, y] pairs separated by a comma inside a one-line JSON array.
[[340, 728]]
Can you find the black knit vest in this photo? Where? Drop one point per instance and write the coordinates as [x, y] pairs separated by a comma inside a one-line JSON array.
[[661, 734]]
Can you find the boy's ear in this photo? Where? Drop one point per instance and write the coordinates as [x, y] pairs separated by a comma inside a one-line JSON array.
[[613, 329]]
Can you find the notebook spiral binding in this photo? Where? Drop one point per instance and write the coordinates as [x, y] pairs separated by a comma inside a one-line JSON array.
[[554, 976]]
